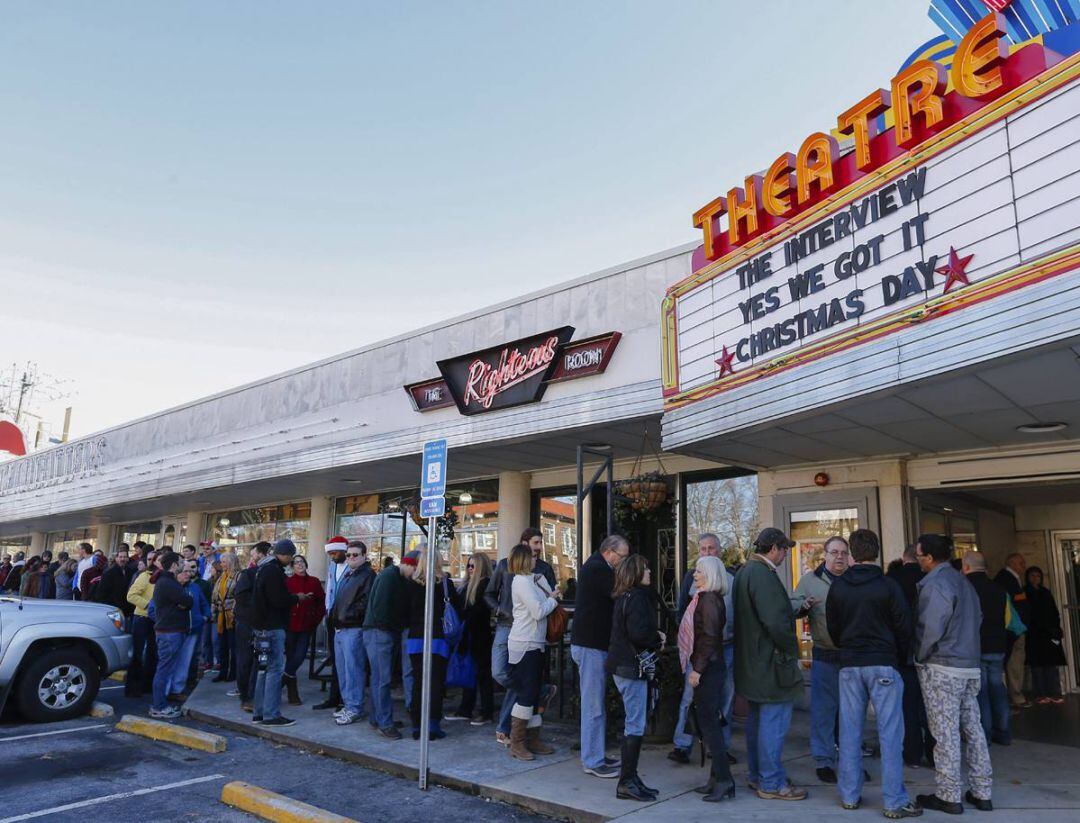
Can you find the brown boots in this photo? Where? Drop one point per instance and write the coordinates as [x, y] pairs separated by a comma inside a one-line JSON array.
[[518, 731], [293, 689], [534, 744]]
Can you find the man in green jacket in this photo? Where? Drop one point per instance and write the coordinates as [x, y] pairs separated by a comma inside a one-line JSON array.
[[767, 664], [386, 616]]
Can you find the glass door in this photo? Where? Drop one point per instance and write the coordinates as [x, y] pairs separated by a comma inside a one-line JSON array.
[[1067, 594]]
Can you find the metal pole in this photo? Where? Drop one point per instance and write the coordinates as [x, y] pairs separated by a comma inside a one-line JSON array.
[[429, 615]]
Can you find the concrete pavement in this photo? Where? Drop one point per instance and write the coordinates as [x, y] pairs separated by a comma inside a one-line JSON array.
[[1039, 778]]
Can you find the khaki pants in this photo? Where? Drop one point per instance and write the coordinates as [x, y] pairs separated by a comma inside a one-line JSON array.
[[1014, 671]]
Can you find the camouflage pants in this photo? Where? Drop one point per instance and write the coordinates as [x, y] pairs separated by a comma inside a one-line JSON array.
[[952, 708]]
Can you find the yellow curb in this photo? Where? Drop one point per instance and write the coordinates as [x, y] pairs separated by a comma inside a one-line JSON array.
[[275, 807], [180, 735], [118, 676], [99, 709]]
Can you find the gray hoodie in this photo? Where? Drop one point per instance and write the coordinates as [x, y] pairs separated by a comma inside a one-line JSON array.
[[948, 620]]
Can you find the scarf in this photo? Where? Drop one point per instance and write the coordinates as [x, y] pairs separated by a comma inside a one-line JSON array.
[[686, 633]]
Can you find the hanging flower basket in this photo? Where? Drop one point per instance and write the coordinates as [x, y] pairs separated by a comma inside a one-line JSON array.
[[646, 492]]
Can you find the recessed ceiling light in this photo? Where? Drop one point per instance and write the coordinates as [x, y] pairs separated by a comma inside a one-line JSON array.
[[1041, 428]]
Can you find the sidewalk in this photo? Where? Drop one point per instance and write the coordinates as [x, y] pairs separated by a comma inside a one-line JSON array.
[[1033, 777]]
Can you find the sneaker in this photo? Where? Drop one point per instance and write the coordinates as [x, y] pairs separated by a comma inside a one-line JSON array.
[[247, 706], [679, 755], [826, 774], [936, 804], [340, 712], [390, 734], [788, 792], [279, 721], [500, 738], [479, 721], [165, 714], [603, 770], [256, 719], [612, 761], [345, 717], [232, 693], [910, 810], [852, 806], [457, 716]]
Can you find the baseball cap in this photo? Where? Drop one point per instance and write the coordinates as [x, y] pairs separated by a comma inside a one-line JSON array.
[[773, 537]]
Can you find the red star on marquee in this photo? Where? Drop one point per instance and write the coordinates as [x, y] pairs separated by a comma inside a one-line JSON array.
[[725, 362], [954, 271]]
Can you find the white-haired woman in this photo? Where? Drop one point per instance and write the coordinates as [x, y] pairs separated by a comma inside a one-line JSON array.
[[701, 646]]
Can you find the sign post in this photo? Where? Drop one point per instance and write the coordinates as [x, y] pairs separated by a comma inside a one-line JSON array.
[[432, 506]]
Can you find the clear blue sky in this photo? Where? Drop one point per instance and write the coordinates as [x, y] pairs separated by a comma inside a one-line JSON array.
[[194, 195]]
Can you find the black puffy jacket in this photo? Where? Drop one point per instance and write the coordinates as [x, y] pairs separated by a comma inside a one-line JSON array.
[[633, 630]]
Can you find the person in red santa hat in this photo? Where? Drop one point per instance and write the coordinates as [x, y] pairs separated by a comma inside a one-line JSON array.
[[335, 571]]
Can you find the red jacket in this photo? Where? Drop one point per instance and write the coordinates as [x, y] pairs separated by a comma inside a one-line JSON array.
[[307, 614]]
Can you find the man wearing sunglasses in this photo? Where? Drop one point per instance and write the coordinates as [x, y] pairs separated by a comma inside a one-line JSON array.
[[350, 608]]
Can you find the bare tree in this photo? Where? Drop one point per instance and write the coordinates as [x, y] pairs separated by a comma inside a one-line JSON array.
[[729, 509]]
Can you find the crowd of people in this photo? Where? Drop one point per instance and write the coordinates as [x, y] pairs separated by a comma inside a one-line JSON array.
[[935, 645]]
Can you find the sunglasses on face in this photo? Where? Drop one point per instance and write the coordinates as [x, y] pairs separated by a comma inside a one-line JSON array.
[[353, 554], [470, 566]]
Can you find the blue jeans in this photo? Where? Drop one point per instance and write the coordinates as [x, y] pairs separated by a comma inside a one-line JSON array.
[[592, 688], [635, 696], [683, 740], [351, 660], [500, 670], [406, 671], [766, 727], [824, 709], [882, 686], [994, 699], [267, 698], [169, 645], [183, 662], [209, 641], [379, 645]]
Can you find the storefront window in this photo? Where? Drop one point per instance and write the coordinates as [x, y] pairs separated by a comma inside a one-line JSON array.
[[383, 521], [132, 533], [558, 524], [810, 530], [962, 527], [14, 545], [724, 506], [68, 541], [241, 529]]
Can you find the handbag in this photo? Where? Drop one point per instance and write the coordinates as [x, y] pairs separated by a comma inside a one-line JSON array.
[[452, 624], [557, 619], [461, 669]]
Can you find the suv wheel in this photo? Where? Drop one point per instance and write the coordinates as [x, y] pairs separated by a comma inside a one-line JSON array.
[[58, 685]]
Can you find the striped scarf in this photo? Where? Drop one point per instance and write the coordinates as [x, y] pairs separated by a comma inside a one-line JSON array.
[[686, 633]]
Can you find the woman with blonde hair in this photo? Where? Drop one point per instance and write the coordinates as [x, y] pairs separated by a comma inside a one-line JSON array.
[[478, 639], [446, 596], [533, 600], [701, 647], [222, 604]]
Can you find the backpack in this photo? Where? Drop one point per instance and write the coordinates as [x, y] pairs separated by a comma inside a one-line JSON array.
[[452, 624]]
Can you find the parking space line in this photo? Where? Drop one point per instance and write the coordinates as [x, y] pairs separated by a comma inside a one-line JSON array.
[[48, 734], [94, 801]]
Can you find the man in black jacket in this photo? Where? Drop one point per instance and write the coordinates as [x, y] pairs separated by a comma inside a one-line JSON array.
[[172, 607], [114, 583], [244, 596], [350, 608], [918, 742], [1011, 579], [993, 641], [871, 625], [500, 601], [589, 641], [272, 603]]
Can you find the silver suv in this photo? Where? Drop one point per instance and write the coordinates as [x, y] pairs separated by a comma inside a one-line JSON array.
[[54, 653]]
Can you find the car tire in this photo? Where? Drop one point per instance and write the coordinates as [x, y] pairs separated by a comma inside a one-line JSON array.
[[57, 685]]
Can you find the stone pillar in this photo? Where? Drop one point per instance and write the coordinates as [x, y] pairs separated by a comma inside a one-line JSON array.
[[319, 531], [37, 544], [893, 513], [103, 540], [514, 504], [194, 530]]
